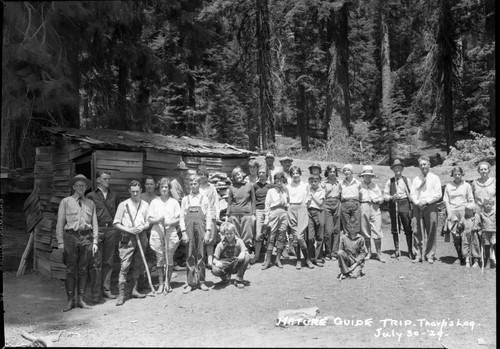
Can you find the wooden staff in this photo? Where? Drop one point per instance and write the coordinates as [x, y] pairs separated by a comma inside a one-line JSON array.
[[137, 238], [398, 227], [422, 227]]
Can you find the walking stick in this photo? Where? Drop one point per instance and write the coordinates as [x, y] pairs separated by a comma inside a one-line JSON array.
[[422, 228], [398, 227], [481, 245], [153, 292]]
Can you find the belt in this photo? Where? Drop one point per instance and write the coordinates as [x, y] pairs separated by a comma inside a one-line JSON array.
[[278, 207], [296, 204], [347, 200], [105, 225], [81, 232], [366, 202], [314, 209]]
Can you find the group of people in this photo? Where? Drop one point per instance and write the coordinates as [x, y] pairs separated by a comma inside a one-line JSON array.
[[270, 210]]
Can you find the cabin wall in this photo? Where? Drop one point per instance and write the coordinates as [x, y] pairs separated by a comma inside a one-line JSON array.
[[124, 166]]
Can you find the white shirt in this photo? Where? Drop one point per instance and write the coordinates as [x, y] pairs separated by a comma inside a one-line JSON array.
[[428, 193]]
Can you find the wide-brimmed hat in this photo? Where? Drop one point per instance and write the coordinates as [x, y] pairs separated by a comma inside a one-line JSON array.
[[181, 166], [397, 162], [286, 158], [367, 170], [269, 155], [80, 177], [315, 164]]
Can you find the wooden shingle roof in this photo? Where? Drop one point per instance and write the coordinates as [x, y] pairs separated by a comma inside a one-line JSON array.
[[139, 141]]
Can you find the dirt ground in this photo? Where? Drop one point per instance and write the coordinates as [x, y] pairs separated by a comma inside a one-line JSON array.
[[432, 306], [422, 294]]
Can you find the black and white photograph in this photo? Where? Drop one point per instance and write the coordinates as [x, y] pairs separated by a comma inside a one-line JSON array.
[[248, 173]]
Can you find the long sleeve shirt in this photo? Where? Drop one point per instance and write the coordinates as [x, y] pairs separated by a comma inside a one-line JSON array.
[[71, 216], [297, 192], [213, 199], [105, 207], [274, 198], [195, 200], [139, 217], [370, 193], [425, 192], [456, 196], [354, 247], [350, 190], [401, 189], [261, 190], [241, 199]]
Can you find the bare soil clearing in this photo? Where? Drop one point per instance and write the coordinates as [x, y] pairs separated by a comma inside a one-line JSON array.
[[422, 294]]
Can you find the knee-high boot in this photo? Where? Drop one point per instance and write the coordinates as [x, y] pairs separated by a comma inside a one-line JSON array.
[[395, 238], [161, 283], [279, 251], [368, 245], [298, 265], [269, 254], [82, 283], [307, 261], [168, 288], [258, 246], [409, 244], [378, 248], [70, 287], [121, 293]]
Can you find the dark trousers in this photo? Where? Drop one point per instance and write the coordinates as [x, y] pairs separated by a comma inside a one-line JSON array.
[[232, 266], [332, 227], [404, 218], [315, 233], [102, 266], [77, 257], [350, 216]]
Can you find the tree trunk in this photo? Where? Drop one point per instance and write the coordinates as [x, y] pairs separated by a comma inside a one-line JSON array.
[[120, 121], [385, 69], [448, 53], [266, 116], [302, 116], [342, 44], [490, 39]]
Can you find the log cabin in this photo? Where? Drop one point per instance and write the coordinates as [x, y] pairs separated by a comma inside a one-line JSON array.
[[127, 155]]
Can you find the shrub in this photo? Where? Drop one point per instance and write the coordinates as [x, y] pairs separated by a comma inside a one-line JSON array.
[[471, 150]]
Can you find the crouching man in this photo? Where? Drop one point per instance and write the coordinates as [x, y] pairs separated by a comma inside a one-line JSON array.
[[131, 220], [352, 252], [231, 256]]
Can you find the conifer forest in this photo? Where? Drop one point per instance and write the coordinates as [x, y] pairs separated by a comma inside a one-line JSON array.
[[370, 75]]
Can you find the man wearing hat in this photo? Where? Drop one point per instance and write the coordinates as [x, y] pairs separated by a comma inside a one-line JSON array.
[[178, 191], [315, 169], [178, 183], [349, 200], [271, 169], [397, 193], [425, 194], [371, 219], [77, 237], [286, 163]]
